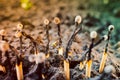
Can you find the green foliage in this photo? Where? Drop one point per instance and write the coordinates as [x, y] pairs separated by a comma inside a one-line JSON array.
[[108, 11]]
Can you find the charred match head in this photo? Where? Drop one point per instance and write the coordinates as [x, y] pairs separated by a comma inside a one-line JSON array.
[[111, 27], [93, 34], [46, 21], [19, 27], [105, 37], [57, 20], [78, 19]]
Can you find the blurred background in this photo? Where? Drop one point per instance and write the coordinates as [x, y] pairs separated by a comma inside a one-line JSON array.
[[97, 14]]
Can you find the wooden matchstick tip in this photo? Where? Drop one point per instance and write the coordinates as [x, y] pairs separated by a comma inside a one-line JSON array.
[[109, 69], [2, 68], [4, 46], [46, 21], [18, 34], [111, 27], [78, 19], [93, 34], [105, 37], [3, 32], [57, 20], [19, 26]]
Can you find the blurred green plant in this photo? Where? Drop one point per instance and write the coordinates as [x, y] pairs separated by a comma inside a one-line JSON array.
[[108, 11], [26, 4]]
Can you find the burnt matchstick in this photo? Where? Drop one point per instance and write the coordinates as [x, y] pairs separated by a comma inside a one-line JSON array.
[[67, 69], [66, 62], [19, 69], [104, 56], [57, 22], [82, 61], [78, 20], [3, 34], [32, 40], [19, 35], [46, 22], [93, 35]]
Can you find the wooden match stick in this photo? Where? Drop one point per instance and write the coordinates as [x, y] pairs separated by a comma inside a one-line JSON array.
[[93, 35], [88, 68], [66, 69], [82, 64], [105, 54], [2, 68], [60, 51], [19, 69], [66, 63], [103, 61]]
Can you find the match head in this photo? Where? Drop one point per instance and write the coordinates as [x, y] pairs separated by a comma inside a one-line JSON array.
[[18, 34], [109, 69], [57, 20], [105, 37], [19, 26], [4, 46], [93, 34], [3, 32], [31, 58], [111, 27], [78, 19], [46, 21]]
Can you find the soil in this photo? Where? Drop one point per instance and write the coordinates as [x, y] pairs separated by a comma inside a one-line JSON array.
[[11, 13]]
